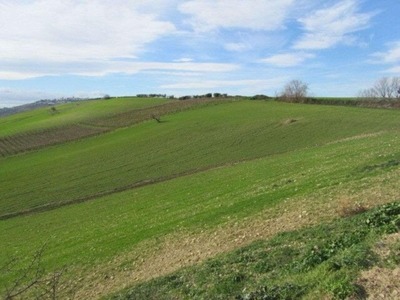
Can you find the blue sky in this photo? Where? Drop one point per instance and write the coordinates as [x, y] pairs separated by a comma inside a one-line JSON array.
[[88, 48]]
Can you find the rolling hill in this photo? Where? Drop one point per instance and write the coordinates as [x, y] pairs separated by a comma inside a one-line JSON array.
[[133, 194]]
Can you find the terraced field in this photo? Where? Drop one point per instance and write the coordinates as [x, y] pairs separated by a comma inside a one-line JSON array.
[[109, 204], [47, 127]]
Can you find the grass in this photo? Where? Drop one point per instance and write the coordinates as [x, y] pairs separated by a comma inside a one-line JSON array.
[[70, 113], [110, 226], [192, 140], [201, 170], [93, 124], [317, 262]]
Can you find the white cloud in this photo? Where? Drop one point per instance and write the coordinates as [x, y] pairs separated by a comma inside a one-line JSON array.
[[183, 59], [73, 30], [172, 73], [207, 84], [237, 47], [288, 59], [395, 70], [89, 38], [251, 14], [101, 68], [328, 27], [390, 56], [19, 75]]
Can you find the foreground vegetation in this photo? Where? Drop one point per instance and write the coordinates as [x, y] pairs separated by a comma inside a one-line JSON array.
[[311, 263], [138, 194]]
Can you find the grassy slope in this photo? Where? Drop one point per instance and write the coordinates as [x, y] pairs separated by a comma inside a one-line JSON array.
[[312, 263], [101, 229], [186, 141], [69, 113], [68, 125]]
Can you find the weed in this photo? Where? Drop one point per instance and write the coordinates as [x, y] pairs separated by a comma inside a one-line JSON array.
[[342, 287], [386, 217], [286, 291]]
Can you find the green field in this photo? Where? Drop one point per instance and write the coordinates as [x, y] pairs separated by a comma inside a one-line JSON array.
[[133, 189], [70, 113]]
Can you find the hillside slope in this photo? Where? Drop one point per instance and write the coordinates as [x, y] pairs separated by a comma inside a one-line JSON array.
[[159, 196], [190, 141]]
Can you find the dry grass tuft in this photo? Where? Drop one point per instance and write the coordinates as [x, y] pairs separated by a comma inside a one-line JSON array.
[[347, 208], [289, 121]]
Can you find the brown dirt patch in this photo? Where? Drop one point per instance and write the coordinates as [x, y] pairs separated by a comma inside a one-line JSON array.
[[380, 282]]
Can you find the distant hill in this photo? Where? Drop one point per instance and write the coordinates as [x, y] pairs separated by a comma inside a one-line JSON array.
[[7, 111]]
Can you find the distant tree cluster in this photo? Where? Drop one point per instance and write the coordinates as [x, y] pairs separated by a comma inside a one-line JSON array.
[[259, 97], [219, 95], [208, 95], [187, 97], [385, 88], [153, 96]]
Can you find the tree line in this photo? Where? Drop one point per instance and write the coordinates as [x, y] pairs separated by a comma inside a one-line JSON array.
[[385, 91], [386, 88]]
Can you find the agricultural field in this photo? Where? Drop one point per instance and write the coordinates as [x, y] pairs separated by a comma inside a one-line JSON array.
[[70, 113], [186, 182]]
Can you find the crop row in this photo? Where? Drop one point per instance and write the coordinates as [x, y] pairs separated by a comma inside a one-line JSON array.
[[28, 141], [154, 112], [34, 140]]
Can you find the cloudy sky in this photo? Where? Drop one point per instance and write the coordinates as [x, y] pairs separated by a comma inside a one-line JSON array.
[[87, 48]]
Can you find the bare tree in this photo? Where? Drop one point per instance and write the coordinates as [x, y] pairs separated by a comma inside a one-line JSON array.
[[395, 87], [32, 282], [385, 88], [294, 91], [382, 88], [155, 117], [368, 94]]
